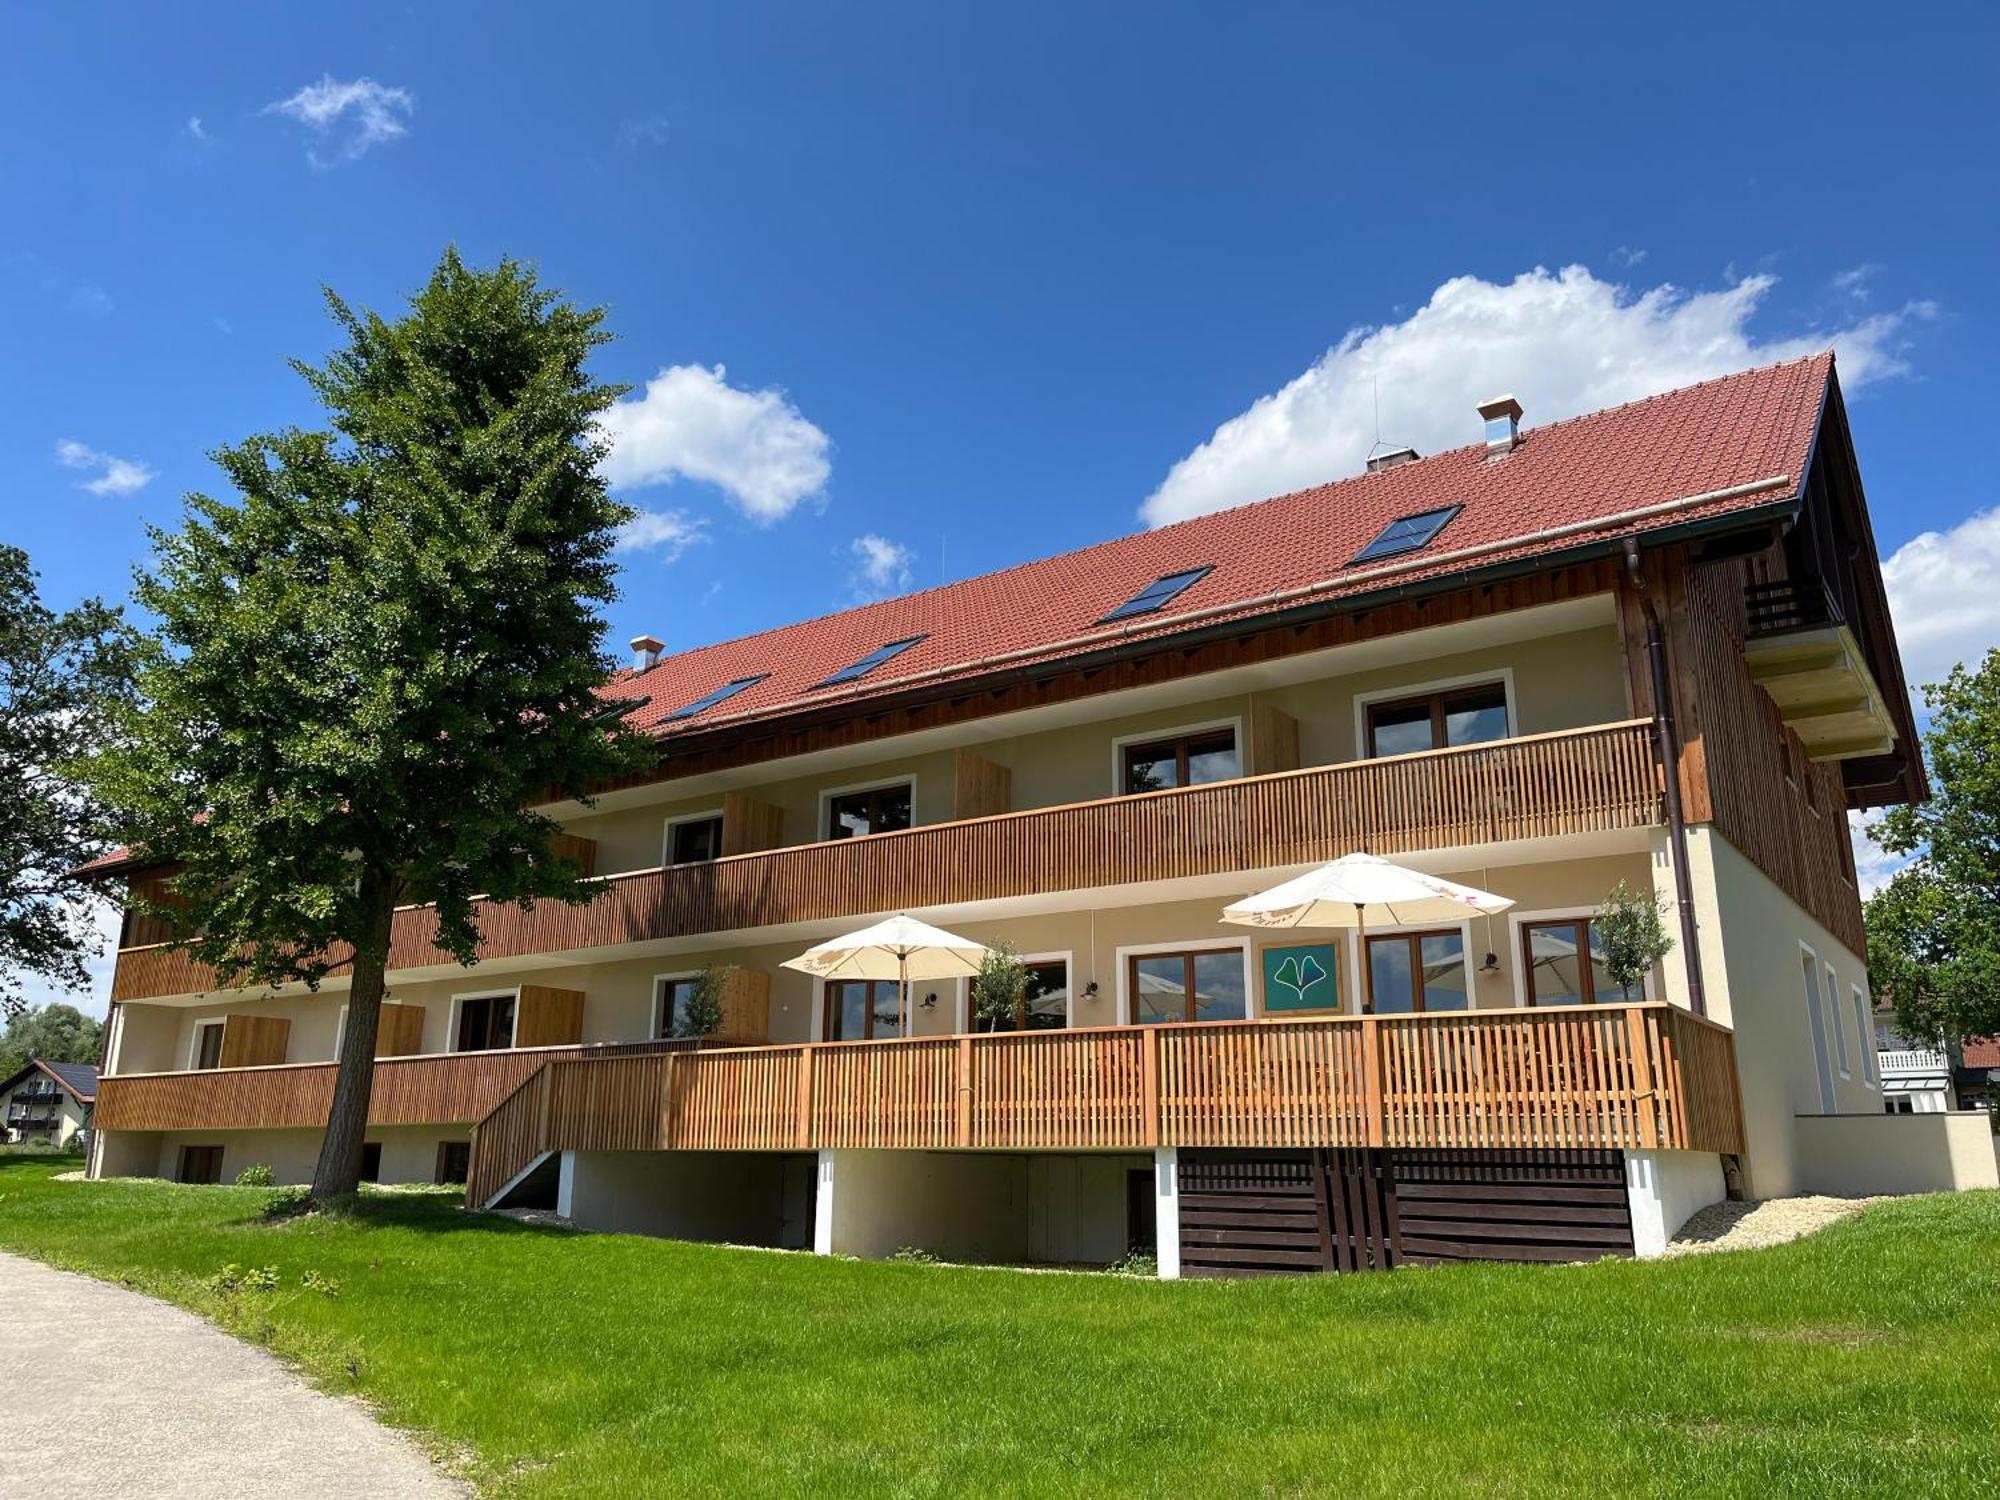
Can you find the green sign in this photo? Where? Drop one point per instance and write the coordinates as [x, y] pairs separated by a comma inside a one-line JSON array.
[[1301, 977]]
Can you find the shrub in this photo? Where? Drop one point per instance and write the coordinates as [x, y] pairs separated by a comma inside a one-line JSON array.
[[1136, 1263], [257, 1174], [235, 1278], [703, 1014], [999, 988], [1630, 925], [312, 1281], [916, 1256]]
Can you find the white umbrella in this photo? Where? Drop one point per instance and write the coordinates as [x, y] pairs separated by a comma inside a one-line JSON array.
[[899, 948], [1355, 889]]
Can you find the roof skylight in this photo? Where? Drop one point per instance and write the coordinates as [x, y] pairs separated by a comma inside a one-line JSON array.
[[1158, 594], [870, 662], [710, 699], [1407, 534]]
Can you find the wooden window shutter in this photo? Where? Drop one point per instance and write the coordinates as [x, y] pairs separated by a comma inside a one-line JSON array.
[[582, 850], [400, 1031], [1274, 740], [254, 1041], [545, 1017], [980, 787], [746, 1008], [749, 826]]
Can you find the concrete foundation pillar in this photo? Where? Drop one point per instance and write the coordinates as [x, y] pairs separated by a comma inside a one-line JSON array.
[[1167, 1212], [823, 1204], [1664, 1189]]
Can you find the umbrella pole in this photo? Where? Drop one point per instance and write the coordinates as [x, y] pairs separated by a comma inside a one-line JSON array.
[[1367, 969], [903, 990]]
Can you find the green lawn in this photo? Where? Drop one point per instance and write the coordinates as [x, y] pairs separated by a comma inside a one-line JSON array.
[[1866, 1359]]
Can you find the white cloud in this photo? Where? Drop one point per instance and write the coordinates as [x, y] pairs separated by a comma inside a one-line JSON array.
[[1944, 595], [353, 115], [670, 532], [1873, 865], [690, 423], [115, 476], [1626, 255], [1564, 342], [194, 129], [647, 130], [881, 567]]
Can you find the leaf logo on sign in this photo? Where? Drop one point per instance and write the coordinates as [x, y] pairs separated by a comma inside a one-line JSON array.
[[1299, 975]]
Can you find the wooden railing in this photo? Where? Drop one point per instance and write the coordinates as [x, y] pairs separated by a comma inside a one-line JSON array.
[[436, 1089], [1610, 1076], [1539, 786]]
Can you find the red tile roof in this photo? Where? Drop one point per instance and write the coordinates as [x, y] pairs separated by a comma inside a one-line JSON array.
[[1721, 436], [1981, 1052]]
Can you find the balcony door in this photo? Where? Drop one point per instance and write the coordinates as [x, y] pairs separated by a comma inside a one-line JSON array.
[[1205, 984], [485, 1023], [861, 1010], [1419, 971]]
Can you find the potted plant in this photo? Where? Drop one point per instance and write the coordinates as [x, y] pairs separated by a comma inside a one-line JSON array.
[[702, 1015], [999, 989], [1633, 934]]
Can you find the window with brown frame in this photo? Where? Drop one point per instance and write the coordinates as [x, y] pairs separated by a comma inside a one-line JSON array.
[[200, 1164], [1419, 971], [1564, 963], [672, 998], [1182, 760], [1044, 1004], [1205, 985], [862, 1010], [881, 809], [454, 1161], [694, 841], [1438, 721], [486, 1023], [208, 1044]]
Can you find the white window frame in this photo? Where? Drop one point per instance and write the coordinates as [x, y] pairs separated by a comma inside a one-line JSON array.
[[667, 828], [1253, 1007], [1066, 958], [1171, 732], [194, 1043], [1422, 689], [822, 828], [1864, 1020], [1356, 957], [659, 981], [1839, 1030], [495, 993], [1822, 1059], [1517, 920]]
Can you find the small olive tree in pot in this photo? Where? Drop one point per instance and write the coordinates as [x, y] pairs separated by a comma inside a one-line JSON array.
[[1633, 931], [999, 989], [702, 1015]]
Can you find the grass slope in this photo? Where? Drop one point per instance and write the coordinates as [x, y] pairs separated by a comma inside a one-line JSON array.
[[1863, 1360]]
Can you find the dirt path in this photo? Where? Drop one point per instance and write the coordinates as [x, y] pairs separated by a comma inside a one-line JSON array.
[[123, 1395]]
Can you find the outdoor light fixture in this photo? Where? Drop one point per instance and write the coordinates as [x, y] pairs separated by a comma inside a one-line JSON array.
[[1090, 990], [930, 1001], [1492, 964]]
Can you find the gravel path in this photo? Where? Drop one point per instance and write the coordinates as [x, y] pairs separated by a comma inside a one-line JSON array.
[[1751, 1226], [116, 1394]]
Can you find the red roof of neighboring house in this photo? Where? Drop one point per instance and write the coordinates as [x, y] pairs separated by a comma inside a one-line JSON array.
[[1981, 1052], [1721, 435]]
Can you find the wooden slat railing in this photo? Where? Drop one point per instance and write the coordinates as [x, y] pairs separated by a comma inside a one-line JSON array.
[[1642, 1076], [1539, 786]]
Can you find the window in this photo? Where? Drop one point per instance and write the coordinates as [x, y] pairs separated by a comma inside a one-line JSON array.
[[208, 1045], [670, 1002], [1044, 1005], [1863, 1041], [485, 1023], [200, 1164], [870, 662], [1419, 971], [882, 809], [1834, 1023], [709, 700], [1204, 986], [454, 1161], [1565, 963], [1191, 759], [859, 1010], [694, 841], [1158, 594], [1407, 534], [1438, 721], [371, 1161], [1816, 1024], [1898, 1104]]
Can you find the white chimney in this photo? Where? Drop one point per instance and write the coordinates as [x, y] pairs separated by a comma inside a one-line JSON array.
[[646, 651], [1502, 416], [1377, 462]]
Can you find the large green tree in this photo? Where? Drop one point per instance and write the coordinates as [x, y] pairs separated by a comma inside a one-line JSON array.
[[61, 673], [1934, 929], [54, 1033], [379, 652]]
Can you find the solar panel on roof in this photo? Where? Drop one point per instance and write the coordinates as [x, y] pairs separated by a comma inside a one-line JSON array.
[[870, 662], [1407, 534], [1159, 593], [710, 699]]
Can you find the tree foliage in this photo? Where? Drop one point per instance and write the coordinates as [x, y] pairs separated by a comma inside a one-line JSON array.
[[61, 674], [381, 650], [1934, 929], [54, 1033], [1632, 929], [999, 988], [702, 1014]]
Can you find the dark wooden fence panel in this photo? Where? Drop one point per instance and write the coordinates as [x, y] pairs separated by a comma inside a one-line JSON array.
[[1511, 1205]]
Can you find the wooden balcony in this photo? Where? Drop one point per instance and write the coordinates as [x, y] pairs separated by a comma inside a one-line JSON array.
[[1539, 786], [1611, 1076], [439, 1089]]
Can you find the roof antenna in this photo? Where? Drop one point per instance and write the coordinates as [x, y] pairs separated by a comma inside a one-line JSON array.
[[943, 576], [1378, 459]]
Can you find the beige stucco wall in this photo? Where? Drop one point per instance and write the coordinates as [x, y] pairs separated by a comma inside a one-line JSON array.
[[978, 1206], [735, 1197], [1859, 1155], [409, 1152]]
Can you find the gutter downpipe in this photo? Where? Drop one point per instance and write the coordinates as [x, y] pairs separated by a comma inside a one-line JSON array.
[[1670, 760]]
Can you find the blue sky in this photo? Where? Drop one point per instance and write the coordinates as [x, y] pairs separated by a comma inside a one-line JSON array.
[[913, 292]]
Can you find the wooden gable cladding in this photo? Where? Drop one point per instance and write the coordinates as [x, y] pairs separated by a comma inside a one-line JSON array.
[[746, 1009], [254, 1041], [400, 1032], [546, 1017], [750, 826], [143, 928], [980, 788], [1274, 740]]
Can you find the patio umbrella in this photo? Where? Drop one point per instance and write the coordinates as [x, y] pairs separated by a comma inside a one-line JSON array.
[[1356, 889], [899, 948]]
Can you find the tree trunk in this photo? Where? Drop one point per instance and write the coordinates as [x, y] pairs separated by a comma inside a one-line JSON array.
[[339, 1170]]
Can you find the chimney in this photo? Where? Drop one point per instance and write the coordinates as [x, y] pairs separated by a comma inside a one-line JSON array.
[[1377, 462], [646, 651], [1502, 416]]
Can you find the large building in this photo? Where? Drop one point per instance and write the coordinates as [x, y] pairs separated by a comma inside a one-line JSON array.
[[1648, 646]]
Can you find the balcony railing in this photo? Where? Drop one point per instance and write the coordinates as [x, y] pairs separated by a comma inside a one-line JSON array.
[[436, 1089], [1538, 786], [1788, 605], [1634, 1076], [1914, 1060]]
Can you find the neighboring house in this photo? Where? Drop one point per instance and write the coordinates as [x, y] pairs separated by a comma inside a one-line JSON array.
[[1916, 1076], [48, 1104], [1976, 1078], [1478, 663]]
